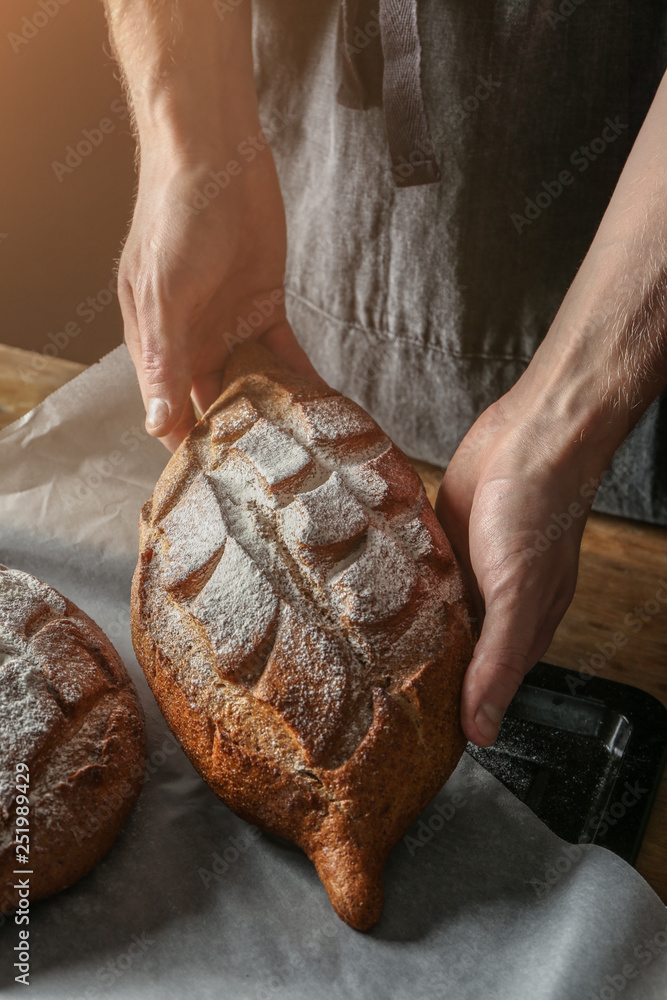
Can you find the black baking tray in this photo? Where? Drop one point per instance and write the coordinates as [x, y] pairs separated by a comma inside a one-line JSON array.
[[584, 753]]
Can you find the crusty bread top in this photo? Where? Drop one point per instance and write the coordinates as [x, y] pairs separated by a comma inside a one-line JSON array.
[[292, 565], [60, 681]]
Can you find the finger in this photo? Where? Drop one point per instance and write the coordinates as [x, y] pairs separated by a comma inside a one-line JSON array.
[[281, 340], [454, 518], [507, 648], [206, 389], [170, 441], [130, 326], [157, 343], [182, 429]]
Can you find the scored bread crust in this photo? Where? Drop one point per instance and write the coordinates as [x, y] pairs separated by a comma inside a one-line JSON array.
[[69, 711], [303, 624]]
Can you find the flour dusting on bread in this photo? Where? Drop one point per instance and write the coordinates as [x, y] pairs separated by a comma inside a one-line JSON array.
[[304, 641], [70, 716]]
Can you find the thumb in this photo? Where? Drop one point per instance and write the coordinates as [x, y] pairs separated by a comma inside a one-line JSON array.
[[162, 362], [504, 654], [167, 383]]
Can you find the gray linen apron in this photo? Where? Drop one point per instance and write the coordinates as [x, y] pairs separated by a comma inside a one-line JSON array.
[[425, 303]]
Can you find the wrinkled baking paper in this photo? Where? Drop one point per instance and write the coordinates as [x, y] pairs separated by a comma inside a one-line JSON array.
[[482, 900]]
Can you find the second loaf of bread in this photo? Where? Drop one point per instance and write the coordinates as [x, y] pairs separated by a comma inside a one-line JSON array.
[[303, 624]]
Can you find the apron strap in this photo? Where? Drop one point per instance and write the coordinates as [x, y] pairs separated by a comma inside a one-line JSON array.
[[381, 67]]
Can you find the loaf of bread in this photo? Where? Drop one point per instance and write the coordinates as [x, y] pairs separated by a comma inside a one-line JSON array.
[[303, 624], [72, 742]]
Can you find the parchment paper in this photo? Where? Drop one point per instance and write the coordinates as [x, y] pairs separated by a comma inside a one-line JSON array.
[[481, 899]]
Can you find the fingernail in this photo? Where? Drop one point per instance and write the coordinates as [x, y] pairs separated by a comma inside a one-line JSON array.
[[157, 413], [488, 721]]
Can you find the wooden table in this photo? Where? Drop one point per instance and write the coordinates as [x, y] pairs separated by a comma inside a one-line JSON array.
[[26, 378], [622, 564]]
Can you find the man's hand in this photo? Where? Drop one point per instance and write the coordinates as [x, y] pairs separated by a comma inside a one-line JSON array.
[[502, 501], [203, 264], [532, 462], [193, 282]]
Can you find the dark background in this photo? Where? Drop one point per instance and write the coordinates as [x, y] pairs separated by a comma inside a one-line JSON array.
[[60, 239]]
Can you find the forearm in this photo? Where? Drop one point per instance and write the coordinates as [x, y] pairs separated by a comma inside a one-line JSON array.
[[605, 357], [188, 72]]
